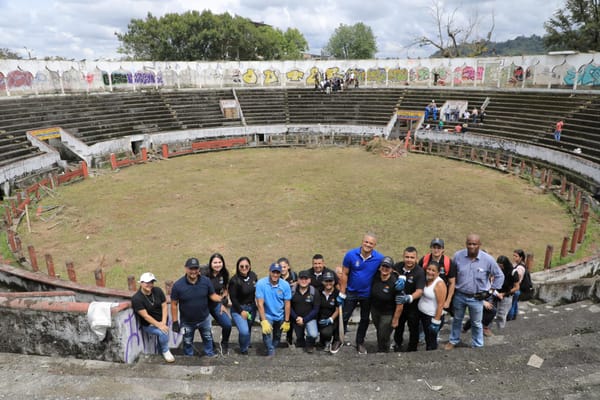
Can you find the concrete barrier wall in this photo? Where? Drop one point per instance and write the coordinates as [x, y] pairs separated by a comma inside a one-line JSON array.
[[21, 77]]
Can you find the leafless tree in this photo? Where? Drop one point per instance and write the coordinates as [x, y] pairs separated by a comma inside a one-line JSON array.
[[455, 39]]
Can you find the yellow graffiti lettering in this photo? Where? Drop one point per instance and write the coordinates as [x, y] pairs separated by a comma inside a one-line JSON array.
[[270, 77], [250, 77], [296, 75]]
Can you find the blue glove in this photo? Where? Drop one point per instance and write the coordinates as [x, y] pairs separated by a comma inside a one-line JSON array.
[[435, 326], [325, 321], [340, 298], [400, 282], [404, 299]]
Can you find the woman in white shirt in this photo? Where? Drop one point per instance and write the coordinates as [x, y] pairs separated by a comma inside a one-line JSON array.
[[431, 304]]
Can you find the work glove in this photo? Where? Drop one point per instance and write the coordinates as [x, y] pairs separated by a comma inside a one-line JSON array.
[[285, 327], [435, 325], [341, 297], [400, 282], [404, 299], [266, 327], [326, 321], [175, 327]]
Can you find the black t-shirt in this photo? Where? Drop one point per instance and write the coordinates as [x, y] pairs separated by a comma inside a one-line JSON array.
[[152, 303], [383, 294], [242, 290], [305, 305], [510, 277], [415, 278], [317, 280], [328, 304]]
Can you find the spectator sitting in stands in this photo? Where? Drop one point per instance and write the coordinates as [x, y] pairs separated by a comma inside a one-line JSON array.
[[475, 115], [481, 115], [440, 125], [465, 128], [447, 113], [458, 128]]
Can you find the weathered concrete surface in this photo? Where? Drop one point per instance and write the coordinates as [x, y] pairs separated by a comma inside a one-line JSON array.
[[566, 338]]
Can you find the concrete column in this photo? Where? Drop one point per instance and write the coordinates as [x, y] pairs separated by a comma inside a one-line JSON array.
[[100, 278], [131, 283]]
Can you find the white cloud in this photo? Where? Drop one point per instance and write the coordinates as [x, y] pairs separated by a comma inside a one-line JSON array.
[[82, 29]]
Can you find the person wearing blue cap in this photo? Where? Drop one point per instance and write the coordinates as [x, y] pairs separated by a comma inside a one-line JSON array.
[[273, 299]]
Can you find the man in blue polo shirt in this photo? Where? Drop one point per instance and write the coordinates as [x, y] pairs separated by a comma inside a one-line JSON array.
[[477, 275], [358, 268], [273, 295], [189, 296]]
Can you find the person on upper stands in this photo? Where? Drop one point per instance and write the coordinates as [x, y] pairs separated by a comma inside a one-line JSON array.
[[558, 130], [475, 115], [466, 115]]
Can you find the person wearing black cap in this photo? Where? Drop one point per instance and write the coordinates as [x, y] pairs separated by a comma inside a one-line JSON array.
[[328, 315], [385, 313], [150, 303], [305, 305], [190, 297], [273, 295], [447, 269]]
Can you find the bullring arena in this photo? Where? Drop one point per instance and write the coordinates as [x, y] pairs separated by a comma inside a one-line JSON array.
[[68, 122]]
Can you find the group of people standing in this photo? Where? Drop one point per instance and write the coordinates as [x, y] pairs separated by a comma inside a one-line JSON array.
[[414, 293]]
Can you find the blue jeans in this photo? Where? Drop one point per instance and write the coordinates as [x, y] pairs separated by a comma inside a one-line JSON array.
[[514, 309], [461, 303], [244, 326], [163, 338], [350, 304], [271, 340], [223, 320], [310, 329], [204, 328]]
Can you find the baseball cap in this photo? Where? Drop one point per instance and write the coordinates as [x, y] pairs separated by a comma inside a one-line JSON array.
[[304, 274], [387, 262], [192, 263], [437, 242], [275, 267], [147, 277], [328, 276]]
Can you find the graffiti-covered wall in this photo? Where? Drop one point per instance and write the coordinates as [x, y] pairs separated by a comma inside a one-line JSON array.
[[576, 71]]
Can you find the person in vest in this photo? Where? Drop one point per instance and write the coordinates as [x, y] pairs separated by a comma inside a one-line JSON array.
[[150, 303], [431, 304], [305, 305], [447, 269], [413, 289]]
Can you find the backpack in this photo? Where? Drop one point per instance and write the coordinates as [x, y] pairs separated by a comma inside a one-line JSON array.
[[446, 259], [526, 284]]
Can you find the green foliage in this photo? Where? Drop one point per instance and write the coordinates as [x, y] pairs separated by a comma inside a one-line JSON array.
[[7, 54], [206, 36], [520, 45], [355, 42], [576, 26]]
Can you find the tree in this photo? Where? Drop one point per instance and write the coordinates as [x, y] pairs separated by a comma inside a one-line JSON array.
[[453, 38], [576, 26], [7, 54], [352, 42], [207, 36]]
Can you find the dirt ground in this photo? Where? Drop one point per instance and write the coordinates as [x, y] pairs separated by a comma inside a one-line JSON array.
[[565, 340], [269, 203]]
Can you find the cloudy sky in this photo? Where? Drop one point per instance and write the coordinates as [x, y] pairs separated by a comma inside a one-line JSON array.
[[86, 28]]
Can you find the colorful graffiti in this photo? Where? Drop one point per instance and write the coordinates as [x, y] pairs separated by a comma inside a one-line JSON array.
[[377, 75], [398, 75], [271, 77], [589, 75], [250, 77], [16, 80], [297, 75]]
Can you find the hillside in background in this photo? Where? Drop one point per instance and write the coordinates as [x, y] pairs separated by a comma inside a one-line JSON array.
[[533, 44]]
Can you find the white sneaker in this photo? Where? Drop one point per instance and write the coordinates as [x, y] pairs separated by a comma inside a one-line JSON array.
[[168, 357]]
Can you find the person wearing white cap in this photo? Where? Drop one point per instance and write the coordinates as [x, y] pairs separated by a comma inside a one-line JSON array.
[[150, 303]]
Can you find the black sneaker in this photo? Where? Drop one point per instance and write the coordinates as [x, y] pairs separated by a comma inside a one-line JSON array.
[[310, 349], [224, 348], [361, 348], [336, 346]]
